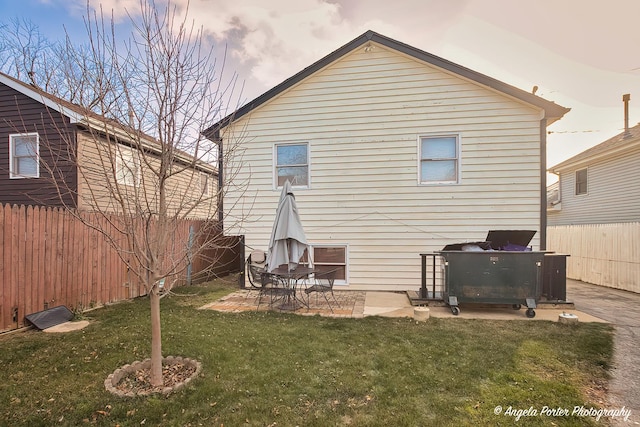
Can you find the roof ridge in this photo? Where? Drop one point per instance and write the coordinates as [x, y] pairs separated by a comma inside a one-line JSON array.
[[552, 110], [617, 141]]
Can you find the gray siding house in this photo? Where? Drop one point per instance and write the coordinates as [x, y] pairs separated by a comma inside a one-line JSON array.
[[600, 185], [593, 212]]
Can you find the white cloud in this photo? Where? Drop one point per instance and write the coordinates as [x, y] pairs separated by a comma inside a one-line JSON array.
[[275, 39], [119, 8]]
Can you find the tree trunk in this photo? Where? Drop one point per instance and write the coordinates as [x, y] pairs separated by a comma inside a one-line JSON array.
[[156, 338]]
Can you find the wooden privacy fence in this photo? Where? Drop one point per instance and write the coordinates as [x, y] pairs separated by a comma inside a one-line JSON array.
[[48, 258], [603, 254]]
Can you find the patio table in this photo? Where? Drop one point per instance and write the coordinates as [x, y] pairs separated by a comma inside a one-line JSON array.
[[290, 281]]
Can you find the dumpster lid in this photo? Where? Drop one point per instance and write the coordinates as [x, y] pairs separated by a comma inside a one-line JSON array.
[[501, 238]]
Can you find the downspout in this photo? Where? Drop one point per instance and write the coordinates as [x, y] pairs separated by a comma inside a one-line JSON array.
[[218, 140], [626, 98], [543, 184]]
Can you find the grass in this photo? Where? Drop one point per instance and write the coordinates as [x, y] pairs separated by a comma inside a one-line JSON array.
[[268, 369]]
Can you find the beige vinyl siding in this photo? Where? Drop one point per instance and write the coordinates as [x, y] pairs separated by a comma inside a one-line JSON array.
[[362, 117], [613, 192], [184, 195]]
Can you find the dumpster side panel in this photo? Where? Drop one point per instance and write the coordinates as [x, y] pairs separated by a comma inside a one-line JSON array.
[[494, 277]]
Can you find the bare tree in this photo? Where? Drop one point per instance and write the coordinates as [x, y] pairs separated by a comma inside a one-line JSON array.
[[61, 67], [143, 166], [156, 171], [26, 53]]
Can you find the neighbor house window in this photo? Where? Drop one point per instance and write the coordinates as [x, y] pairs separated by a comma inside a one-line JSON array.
[[439, 159], [331, 259], [292, 164], [24, 151], [205, 184], [581, 181], [127, 167]]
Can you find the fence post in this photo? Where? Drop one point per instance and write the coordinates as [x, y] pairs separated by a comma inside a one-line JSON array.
[[189, 255]]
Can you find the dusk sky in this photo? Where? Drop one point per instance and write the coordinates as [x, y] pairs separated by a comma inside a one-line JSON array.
[[582, 55]]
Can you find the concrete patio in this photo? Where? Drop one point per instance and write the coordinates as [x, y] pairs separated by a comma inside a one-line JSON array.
[[358, 304]]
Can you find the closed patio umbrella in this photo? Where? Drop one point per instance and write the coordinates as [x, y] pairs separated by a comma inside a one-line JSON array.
[[288, 242]]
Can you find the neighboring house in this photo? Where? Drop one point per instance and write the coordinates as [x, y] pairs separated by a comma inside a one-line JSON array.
[[392, 152], [600, 185], [594, 214], [44, 137]]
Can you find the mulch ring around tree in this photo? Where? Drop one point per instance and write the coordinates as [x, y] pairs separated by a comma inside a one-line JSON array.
[[135, 379]]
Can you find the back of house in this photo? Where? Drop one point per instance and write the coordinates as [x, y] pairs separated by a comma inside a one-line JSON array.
[[392, 152]]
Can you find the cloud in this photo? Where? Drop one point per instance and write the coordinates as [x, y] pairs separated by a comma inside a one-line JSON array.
[[274, 39], [119, 8]]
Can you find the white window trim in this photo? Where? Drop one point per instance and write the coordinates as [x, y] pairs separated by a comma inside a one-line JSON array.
[[134, 156], [458, 138], [575, 182], [13, 175], [274, 166], [335, 245], [207, 190]]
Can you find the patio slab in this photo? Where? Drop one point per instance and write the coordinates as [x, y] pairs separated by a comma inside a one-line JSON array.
[[346, 304], [358, 304]]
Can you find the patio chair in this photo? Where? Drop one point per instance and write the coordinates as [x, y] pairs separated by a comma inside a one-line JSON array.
[[324, 284], [256, 263], [265, 283]]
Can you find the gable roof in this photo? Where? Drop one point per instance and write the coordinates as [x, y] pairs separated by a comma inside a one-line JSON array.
[[620, 142], [72, 111], [82, 116], [552, 110]]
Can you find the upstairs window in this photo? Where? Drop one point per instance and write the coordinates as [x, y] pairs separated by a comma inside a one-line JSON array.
[[292, 164], [205, 184], [24, 152], [439, 159], [581, 181], [127, 167]]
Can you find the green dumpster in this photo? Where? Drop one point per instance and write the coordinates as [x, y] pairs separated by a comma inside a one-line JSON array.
[[501, 270]]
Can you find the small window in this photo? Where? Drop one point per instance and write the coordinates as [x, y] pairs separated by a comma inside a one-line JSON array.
[[24, 152], [331, 259], [439, 159], [205, 184], [127, 167], [292, 164], [581, 181]]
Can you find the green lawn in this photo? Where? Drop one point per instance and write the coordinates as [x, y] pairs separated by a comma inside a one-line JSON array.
[[268, 369]]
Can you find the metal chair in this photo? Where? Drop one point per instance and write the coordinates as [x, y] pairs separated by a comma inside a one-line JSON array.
[[256, 263], [265, 283], [324, 284], [259, 279]]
